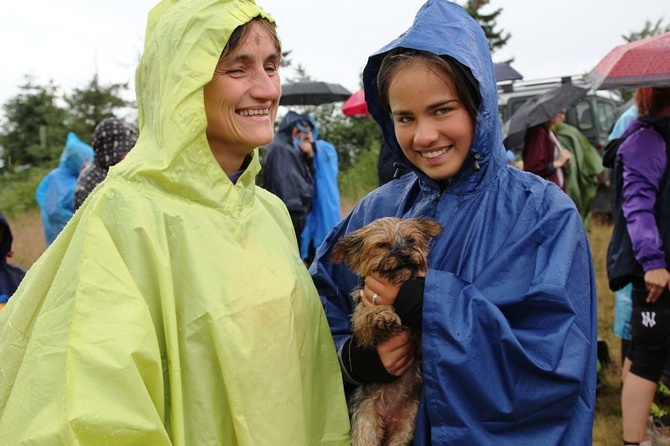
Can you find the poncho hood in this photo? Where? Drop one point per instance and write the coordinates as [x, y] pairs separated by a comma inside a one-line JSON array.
[[446, 29], [75, 155], [172, 151]]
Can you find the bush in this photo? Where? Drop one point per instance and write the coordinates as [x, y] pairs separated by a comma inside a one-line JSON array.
[[18, 190], [361, 177]]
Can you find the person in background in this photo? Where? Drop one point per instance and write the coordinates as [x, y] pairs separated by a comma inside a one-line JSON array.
[[586, 164], [288, 170], [622, 122], [542, 152], [325, 211], [112, 140], [55, 193], [639, 254], [174, 309], [507, 307], [10, 275]]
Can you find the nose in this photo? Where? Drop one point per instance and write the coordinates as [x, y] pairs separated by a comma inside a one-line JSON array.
[[426, 133], [266, 87]]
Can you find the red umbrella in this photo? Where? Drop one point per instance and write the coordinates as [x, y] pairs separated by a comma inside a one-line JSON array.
[[355, 105], [642, 63]]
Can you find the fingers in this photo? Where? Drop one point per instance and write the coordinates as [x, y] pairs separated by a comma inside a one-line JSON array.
[[397, 353], [386, 292]]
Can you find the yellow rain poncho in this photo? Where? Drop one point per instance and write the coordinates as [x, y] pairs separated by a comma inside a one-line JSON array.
[[174, 307]]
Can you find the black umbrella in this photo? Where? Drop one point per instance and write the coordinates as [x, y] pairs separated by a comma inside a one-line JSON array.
[[312, 93], [540, 109], [505, 72]]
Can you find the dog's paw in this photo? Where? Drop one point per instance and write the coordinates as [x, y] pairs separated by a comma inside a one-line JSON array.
[[386, 320]]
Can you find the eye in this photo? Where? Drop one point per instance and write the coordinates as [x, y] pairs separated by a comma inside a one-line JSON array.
[[411, 240], [443, 111], [271, 69], [404, 119]]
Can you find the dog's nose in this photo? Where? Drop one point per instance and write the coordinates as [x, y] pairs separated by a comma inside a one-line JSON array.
[[405, 257]]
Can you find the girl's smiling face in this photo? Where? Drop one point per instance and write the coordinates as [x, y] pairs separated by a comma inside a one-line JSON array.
[[432, 126]]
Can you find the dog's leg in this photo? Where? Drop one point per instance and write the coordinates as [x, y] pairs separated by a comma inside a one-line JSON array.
[[367, 422]]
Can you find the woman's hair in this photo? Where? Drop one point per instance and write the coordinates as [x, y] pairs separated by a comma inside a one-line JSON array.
[[242, 31], [402, 58], [651, 101]]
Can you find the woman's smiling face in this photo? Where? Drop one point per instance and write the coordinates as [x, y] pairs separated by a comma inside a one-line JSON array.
[[432, 126], [242, 98]]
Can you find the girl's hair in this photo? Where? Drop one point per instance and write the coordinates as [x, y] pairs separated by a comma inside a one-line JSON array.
[[241, 32], [395, 60], [651, 101]]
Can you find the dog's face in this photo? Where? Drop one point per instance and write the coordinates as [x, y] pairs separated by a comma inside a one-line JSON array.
[[394, 248]]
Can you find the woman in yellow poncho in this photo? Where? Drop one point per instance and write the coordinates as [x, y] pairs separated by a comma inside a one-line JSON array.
[[174, 307]]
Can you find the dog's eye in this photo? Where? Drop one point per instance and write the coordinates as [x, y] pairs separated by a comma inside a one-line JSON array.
[[411, 240]]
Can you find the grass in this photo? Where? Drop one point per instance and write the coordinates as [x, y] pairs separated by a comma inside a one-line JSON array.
[[29, 245]]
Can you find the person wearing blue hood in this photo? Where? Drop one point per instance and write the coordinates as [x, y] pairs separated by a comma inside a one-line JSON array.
[[507, 307], [55, 193], [288, 170], [10, 275], [325, 212]]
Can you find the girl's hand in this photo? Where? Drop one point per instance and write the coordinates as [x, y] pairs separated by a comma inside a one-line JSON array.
[[397, 353], [375, 285]]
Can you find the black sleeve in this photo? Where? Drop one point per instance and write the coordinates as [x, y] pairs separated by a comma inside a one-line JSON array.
[[409, 303], [362, 365]]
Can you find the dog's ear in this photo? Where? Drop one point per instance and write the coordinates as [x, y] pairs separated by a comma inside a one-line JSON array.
[[346, 248], [429, 227]]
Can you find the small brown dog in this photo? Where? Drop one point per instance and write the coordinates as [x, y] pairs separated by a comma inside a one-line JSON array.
[[396, 249]]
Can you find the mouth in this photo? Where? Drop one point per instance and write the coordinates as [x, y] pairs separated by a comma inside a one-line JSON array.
[[434, 153], [255, 112]]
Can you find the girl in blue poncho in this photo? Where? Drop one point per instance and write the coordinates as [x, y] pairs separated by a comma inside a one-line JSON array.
[[55, 193], [507, 307]]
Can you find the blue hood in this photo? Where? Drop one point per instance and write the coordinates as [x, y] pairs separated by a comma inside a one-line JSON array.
[[75, 155], [466, 44]]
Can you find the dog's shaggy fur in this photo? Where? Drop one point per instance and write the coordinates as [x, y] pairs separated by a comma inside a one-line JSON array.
[[395, 249]]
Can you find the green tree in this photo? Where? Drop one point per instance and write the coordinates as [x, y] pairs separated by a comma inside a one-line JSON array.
[[496, 39], [650, 29], [89, 105], [32, 131]]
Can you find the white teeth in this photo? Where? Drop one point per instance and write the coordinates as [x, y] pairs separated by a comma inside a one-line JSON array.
[[434, 154], [255, 112]]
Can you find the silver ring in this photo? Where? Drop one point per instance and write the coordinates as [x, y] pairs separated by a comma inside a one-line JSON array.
[[374, 298]]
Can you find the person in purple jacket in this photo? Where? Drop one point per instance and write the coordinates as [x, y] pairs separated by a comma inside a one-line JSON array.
[[639, 253]]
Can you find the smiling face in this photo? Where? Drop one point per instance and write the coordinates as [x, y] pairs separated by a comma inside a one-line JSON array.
[[242, 98], [432, 125]]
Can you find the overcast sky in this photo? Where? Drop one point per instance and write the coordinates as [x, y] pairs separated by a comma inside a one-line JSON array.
[[67, 41]]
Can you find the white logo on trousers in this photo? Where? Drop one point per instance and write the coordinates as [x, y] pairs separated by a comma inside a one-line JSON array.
[[648, 318]]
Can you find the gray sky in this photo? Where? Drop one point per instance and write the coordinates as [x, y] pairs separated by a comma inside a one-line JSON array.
[[69, 40]]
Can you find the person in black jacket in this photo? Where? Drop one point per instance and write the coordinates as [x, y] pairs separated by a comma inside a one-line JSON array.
[[289, 168]]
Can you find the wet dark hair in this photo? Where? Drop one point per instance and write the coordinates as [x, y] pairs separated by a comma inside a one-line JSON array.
[[651, 101], [395, 60], [241, 32]]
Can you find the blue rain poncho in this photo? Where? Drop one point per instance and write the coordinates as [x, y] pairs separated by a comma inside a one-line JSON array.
[[509, 307], [174, 308], [325, 211], [55, 193]]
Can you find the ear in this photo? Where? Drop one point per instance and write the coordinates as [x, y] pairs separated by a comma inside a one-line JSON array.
[[429, 227], [347, 248]]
